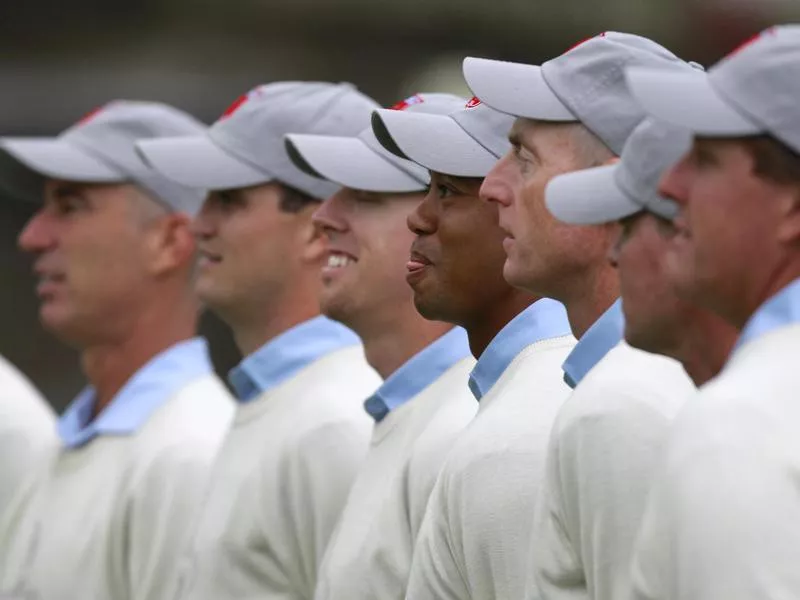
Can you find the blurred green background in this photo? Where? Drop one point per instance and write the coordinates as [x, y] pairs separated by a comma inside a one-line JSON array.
[[60, 59]]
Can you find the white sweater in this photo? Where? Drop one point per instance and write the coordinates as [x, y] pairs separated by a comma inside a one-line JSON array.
[[27, 441], [280, 484], [476, 533], [723, 521], [27, 432], [116, 513], [604, 447], [370, 552]]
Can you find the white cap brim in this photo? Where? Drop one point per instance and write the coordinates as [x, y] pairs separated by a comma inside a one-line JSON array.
[[514, 88], [589, 197], [348, 162], [57, 159], [436, 142], [687, 99], [197, 162]]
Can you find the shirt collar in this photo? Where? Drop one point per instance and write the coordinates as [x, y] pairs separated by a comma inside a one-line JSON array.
[[541, 320], [780, 310], [146, 391], [601, 337], [418, 373], [284, 356]]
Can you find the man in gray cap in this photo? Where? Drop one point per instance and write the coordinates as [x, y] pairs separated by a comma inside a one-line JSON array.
[[300, 432], [656, 319], [475, 537], [114, 255], [724, 518], [424, 402], [575, 112]]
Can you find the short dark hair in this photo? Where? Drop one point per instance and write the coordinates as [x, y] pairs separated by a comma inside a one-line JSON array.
[[773, 160], [294, 200]]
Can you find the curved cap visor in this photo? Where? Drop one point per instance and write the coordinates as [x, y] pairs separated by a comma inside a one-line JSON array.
[[436, 142], [348, 162], [687, 99], [589, 197], [59, 159], [196, 161], [514, 88]]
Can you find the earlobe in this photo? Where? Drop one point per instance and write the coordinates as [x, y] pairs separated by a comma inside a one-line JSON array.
[[789, 229]]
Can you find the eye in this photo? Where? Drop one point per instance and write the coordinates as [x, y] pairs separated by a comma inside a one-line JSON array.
[[229, 200], [703, 157], [445, 191], [67, 202]]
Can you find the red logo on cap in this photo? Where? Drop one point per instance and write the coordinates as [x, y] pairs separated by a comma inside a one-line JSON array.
[[90, 115], [410, 101], [474, 101], [582, 42], [752, 40], [240, 101], [237, 104]]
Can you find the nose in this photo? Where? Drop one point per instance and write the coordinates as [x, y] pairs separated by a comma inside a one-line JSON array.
[[422, 221], [330, 216], [204, 225], [673, 183], [38, 235], [497, 185]]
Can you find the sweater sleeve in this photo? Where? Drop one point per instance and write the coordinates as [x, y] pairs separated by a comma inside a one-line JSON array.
[[723, 523], [597, 485], [318, 472], [435, 571], [161, 517]]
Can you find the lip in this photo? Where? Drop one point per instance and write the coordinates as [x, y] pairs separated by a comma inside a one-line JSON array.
[[416, 267], [508, 243]]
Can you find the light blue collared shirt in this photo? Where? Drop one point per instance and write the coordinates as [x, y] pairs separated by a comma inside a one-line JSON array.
[[287, 354], [543, 319], [146, 391], [779, 311], [598, 340], [417, 373]]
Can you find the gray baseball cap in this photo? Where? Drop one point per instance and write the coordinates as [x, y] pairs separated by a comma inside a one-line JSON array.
[[361, 162], [100, 148], [464, 143], [613, 192], [585, 84], [245, 146], [755, 90]]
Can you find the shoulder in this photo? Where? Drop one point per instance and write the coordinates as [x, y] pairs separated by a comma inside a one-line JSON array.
[[190, 426], [628, 383]]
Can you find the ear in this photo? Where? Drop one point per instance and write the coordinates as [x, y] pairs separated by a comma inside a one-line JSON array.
[[789, 227], [312, 242], [171, 244]]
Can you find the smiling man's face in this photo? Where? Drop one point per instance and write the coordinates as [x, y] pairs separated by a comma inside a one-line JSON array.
[[368, 247], [248, 247]]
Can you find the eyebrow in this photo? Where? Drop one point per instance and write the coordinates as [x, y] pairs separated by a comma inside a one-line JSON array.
[[65, 189]]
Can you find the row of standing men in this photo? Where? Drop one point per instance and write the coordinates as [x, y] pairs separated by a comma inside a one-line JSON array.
[[470, 267]]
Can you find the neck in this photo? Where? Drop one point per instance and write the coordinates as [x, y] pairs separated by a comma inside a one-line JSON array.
[[705, 347], [590, 299], [490, 322], [783, 276], [264, 319], [387, 348], [110, 364]]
